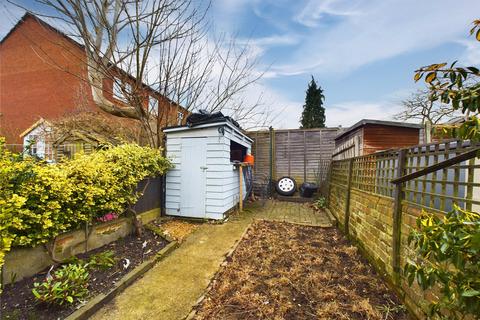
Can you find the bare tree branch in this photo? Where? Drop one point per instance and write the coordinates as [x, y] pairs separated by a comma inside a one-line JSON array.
[[419, 107], [161, 56]]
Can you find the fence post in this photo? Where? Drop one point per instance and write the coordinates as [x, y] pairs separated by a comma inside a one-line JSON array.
[[347, 200], [398, 196], [304, 156], [240, 174], [271, 155], [289, 149]]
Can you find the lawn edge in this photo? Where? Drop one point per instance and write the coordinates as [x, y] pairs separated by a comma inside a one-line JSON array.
[[223, 264], [94, 304]]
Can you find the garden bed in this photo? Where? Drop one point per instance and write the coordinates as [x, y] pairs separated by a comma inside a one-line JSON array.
[[286, 271], [18, 302]]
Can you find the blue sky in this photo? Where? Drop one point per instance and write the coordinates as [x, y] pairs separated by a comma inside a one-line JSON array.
[[361, 52]]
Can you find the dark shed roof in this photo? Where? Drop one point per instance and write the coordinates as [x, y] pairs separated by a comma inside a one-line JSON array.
[[364, 122]]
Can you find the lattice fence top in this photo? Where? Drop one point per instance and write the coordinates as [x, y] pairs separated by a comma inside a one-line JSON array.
[[458, 183], [339, 173], [439, 190]]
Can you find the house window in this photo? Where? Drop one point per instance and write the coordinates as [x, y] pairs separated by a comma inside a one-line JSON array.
[[153, 105], [179, 117], [117, 89], [32, 144]]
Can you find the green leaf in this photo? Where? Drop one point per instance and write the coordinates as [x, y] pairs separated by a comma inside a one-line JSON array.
[[463, 72], [474, 70], [453, 77], [70, 299], [470, 293], [430, 77], [35, 293], [444, 247]]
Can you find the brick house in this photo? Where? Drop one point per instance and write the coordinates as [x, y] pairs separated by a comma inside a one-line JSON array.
[[42, 75]]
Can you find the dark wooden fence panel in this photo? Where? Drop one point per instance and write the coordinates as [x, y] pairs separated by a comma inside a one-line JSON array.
[[152, 195]]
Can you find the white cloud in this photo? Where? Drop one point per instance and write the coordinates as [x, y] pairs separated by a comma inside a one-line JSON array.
[[471, 55], [342, 114], [384, 29], [314, 10], [350, 112], [276, 40]]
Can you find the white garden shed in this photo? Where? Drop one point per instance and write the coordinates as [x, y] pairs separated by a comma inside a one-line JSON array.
[[205, 182]]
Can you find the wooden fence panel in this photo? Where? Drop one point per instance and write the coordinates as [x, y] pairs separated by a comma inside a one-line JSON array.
[[293, 163], [303, 154], [260, 149]]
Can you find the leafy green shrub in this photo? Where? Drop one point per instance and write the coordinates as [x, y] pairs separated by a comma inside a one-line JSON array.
[[321, 203], [69, 283], [39, 201], [448, 258], [103, 260]]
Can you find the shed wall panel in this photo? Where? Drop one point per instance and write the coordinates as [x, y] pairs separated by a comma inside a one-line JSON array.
[[222, 177], [380, 137]]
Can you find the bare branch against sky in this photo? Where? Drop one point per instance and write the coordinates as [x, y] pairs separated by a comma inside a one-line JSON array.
[[165, 45]]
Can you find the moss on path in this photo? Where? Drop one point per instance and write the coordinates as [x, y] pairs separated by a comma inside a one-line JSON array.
[[171, 288]]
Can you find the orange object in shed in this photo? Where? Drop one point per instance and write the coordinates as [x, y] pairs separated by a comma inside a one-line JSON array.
[[249, 159]]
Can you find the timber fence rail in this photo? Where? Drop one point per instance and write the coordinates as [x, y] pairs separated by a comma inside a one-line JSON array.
[[377, 199]]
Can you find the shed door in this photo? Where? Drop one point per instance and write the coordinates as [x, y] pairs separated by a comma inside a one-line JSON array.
[[193, 177]]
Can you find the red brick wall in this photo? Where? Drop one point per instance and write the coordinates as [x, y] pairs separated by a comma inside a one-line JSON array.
[[42, 75], [32, 82]]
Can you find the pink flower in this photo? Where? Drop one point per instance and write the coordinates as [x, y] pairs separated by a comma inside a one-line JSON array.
[[108, 217]]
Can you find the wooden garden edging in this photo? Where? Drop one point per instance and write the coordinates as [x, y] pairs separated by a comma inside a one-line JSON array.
[[100, 300]]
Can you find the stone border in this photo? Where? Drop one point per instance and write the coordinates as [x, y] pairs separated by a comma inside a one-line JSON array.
[[101, 299]]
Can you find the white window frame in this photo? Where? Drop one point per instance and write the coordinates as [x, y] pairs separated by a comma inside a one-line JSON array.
[[32, 141], [179, 117], [153, 105], [117, 89]]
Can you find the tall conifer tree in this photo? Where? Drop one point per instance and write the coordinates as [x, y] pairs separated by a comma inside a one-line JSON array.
[[313, 115]]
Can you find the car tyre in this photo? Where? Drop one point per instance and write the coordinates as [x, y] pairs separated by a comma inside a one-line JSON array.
[[286, 186]]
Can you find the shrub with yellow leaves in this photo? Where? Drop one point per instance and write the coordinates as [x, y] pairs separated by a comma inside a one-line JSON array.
[[39, 201]]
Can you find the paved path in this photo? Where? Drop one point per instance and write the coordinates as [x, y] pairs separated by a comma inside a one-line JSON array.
[[171, 288], [300, 213]]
